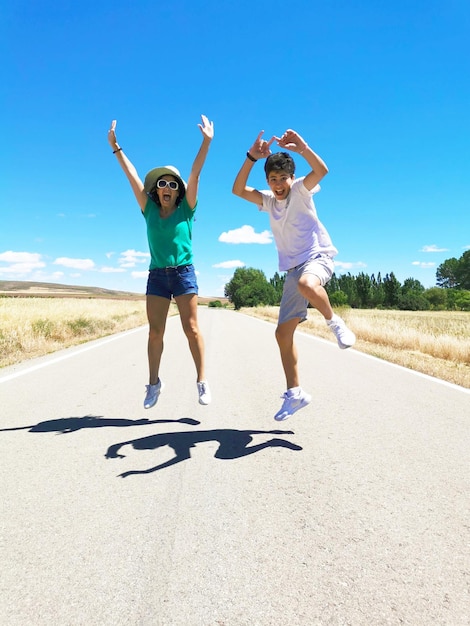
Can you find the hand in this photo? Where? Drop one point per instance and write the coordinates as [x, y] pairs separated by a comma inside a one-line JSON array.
[[112, 135], [261, 148], [207, 128], [292, 141]]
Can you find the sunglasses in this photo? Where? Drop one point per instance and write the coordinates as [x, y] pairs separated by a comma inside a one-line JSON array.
[[172, 184]]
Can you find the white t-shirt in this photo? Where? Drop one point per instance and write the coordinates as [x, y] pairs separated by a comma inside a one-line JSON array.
[[298, 232]]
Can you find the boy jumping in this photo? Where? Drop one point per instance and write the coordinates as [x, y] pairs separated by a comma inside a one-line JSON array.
[[304, 247]]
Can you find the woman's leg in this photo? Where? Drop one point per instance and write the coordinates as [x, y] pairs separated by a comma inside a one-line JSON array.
[[157, 312], [187, 306]]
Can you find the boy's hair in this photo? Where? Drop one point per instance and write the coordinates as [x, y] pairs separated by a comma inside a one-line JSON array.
[[280, 161]]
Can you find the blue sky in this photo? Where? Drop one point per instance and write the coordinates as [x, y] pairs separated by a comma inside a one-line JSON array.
[[380, 90]]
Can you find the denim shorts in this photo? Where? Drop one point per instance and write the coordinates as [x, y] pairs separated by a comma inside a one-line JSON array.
[[172, 281], [293, 304]]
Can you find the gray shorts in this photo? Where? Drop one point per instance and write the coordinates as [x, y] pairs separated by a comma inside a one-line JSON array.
[[293, 304]]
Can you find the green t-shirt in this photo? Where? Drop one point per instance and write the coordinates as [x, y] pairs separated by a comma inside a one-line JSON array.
[[170, 239]]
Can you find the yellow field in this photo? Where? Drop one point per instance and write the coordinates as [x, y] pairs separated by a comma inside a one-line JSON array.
[[432, 342], [435, 343], [31, 327]]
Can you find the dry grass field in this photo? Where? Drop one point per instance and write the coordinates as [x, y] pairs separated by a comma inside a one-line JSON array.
[[432, 342], [31, 327]]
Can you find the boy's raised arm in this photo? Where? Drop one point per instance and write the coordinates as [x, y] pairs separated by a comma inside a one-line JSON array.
[[292, 141], [207, 130], [260, 149]]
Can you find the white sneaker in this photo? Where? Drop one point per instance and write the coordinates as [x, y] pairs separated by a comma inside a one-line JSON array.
[[292, 403], [345, 337], [153, 391], [204, 392]]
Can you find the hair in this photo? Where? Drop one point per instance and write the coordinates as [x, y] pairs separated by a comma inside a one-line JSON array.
[[181, 190], [280, 161]]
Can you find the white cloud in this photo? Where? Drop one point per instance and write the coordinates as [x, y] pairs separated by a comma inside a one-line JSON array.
[[466, 247], [130, 258], [110, 270], [423, 265], [77, 264], [20, 263], [433, 248], [108, 255], [230, 264], [347, 265], [19, 257], [246, 234], [139, 274]]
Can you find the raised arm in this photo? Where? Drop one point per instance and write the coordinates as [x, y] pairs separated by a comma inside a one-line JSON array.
[[260, 149], [127, 167], [207, 130], [292, 141]]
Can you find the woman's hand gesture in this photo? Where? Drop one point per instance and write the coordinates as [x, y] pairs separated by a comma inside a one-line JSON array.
[[207, 128], [112, 135]]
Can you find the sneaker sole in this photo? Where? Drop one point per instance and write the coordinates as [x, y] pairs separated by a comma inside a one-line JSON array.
[[343, 346], [306, 401]]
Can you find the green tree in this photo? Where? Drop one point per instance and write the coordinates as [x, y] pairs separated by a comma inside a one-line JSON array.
[[249, 287], [338, 298], [463, 271], [458, 299], [277, 282], [411, 284], [413, 301], [347, 284], [378, 293], [437, 298], [364, 290], [392, 290], [333, 285], [446, 273], [462, 300]]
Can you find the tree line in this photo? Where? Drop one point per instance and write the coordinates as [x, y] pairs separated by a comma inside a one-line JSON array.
[[249, 287]]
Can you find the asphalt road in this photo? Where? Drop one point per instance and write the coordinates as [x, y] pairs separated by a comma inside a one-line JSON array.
[[356, 511]]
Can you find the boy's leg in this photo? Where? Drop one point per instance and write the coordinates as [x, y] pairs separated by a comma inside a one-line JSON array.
[[285, 341], [292, 311], [313, 291], [316, 274], [295, 397]]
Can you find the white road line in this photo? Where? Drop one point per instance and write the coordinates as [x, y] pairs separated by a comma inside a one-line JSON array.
[[74, 352], [375, 358]]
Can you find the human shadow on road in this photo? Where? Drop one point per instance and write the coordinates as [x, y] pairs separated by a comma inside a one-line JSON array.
[[233, 445], [73, 424]]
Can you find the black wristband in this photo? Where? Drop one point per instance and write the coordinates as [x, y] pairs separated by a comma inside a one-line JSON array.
[[117, 150], [248, 156]]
